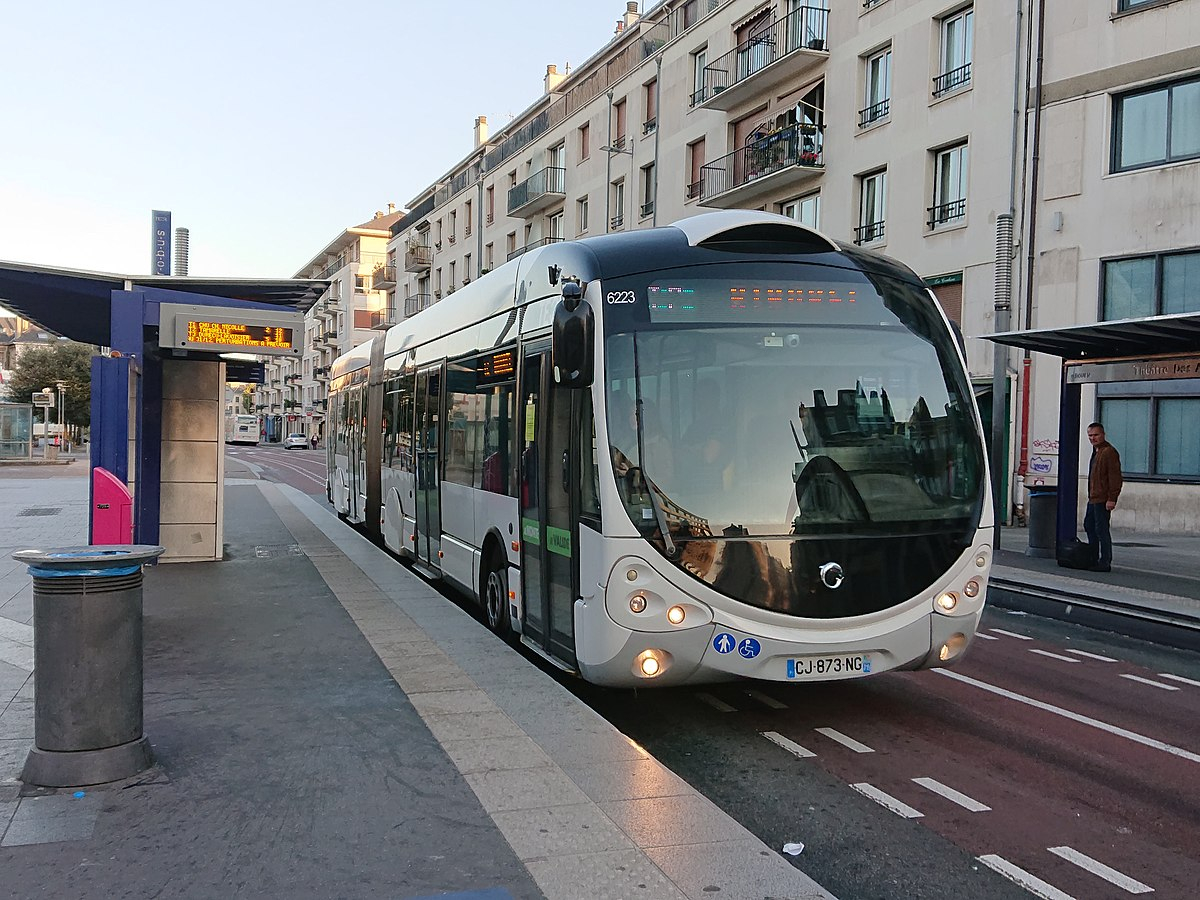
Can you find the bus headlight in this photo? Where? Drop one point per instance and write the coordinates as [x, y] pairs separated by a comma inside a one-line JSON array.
[[675, 615], [971, 588], [637, 603], [954, 645], [946, 601]]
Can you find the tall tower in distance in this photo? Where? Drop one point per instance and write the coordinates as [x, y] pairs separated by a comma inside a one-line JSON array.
[[181, 251]]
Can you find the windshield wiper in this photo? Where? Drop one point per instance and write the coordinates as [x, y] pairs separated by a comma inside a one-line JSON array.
[[656, 496]]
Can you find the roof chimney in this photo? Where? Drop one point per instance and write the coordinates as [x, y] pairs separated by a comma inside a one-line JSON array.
[[631, 14], [391, 208], [553, 79], [481, 131]]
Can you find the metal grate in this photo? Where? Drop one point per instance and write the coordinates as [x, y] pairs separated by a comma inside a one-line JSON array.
[[40, 511], [275, 551]]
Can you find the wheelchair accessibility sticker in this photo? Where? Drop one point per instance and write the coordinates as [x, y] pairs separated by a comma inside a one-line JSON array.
[[749, 648]]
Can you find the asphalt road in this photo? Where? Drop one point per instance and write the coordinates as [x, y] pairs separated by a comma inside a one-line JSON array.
[[1056, 760]]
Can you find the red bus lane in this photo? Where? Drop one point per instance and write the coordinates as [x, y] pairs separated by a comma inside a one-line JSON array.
[[939, 749]]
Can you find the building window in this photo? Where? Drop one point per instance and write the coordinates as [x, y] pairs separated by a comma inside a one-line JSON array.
[[695, 168], [489, 256], [949, 187], [1158, 435], [1123, 5], [467, 219], [360, 283], [1156, 126], [805, 210], [699, 61], [650, 123], [581, 215], [1151, 285], [647, 190], [511, 243], [619, 124], [453, 235], [489, 198], [555, 227], [879, 88], [452, 279], [872, 208], [955, 58], [617, 217], [585, 134], [467, 269]]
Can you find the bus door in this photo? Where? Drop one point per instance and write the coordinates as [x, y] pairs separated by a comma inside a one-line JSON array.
[[427, 446], [354, 453], [550, 571]]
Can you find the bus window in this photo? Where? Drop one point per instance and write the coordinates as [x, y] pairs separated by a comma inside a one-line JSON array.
[[589, 470]]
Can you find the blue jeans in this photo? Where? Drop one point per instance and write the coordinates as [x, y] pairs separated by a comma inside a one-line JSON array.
[[1095, 523]]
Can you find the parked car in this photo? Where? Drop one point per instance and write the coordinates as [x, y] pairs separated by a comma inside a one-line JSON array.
[[295, 442]]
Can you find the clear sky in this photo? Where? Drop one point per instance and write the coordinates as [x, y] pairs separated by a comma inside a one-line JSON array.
[[266, 127]]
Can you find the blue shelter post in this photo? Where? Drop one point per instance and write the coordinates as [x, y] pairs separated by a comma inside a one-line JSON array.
[[1068, 460]]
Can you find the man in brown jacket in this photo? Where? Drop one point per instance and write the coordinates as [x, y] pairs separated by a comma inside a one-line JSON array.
[[1104, 486]]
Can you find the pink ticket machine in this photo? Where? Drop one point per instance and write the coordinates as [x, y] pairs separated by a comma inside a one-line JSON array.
[[112, 509]]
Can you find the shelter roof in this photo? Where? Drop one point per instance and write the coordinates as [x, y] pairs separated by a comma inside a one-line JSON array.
[[78, 304], [1151, 336]]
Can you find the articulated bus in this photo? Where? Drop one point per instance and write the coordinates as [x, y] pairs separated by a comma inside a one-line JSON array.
[[725, 448], [241, 429]]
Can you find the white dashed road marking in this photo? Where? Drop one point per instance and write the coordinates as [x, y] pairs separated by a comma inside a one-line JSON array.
[[887, 801], [1073, 716], [1180, 678], [766, 700], [1124, 882], [789, 746], [845, 741], [1069, 659], [1012, 634], [718, 705], [952, 795], [986, 637], [1092, 655], [1157, 684], [1031, 883]]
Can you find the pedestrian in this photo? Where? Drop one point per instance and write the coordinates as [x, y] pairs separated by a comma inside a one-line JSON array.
[[1104, 486], [313, 439]]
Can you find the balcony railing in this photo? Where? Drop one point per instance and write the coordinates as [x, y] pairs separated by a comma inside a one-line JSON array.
[[949, 81], [533, 246], [796, 145], [616, 222], [946, 213], [648, 208], [869, 233], [416, 302], [383, 277], [539, 189], [805, 28], [383, 318], [417, 257], [874, 112], [692, 191], [650, 125]]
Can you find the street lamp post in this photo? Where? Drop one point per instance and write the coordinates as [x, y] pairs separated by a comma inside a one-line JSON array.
[[62, 413]]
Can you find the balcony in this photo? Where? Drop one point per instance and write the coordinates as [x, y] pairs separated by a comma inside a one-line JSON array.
[[869, 233], [382, 319], [947, 213], [417, 257], [539, 191], [952, 80], [876, 112], [787, 158], [384, 276], [321, 373], [785, 52], [533, 246], [415, 303]]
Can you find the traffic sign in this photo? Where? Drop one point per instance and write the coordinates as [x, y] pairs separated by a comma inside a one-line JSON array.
[[43, 398]]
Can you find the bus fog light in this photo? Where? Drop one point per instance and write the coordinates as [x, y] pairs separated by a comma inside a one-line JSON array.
[[952, 648], [947, 600], [651, 663], [981, 560], [631, 575], [637, 603], [675, 615], [971, 588]]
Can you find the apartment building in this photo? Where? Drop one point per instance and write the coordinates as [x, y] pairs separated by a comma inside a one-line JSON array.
[[1115, 230], [905, 126], [294, 395]]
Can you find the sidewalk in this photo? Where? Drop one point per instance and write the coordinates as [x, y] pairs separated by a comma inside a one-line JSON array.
[[326, 725]]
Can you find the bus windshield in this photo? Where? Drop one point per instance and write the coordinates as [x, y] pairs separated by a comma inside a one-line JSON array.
[[807, 426]]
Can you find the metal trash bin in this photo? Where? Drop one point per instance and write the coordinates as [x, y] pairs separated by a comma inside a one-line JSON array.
[[1043, 521], [87, 657]]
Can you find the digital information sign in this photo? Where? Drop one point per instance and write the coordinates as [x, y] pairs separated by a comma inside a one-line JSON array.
[[225, 329]]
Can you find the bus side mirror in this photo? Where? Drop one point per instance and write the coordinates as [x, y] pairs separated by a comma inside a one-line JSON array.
[[573, 343]]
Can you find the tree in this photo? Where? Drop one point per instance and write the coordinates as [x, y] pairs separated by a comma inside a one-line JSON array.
[[65, 361]]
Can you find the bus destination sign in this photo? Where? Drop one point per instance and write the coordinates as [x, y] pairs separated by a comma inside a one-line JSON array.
[[500, 366], [184, 327], [239, 335]]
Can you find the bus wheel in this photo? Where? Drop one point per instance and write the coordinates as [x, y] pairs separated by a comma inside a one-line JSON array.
[[495, 598]]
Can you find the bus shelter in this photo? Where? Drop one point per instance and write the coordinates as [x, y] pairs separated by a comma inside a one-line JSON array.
[[1155, 348], [157, 402]]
